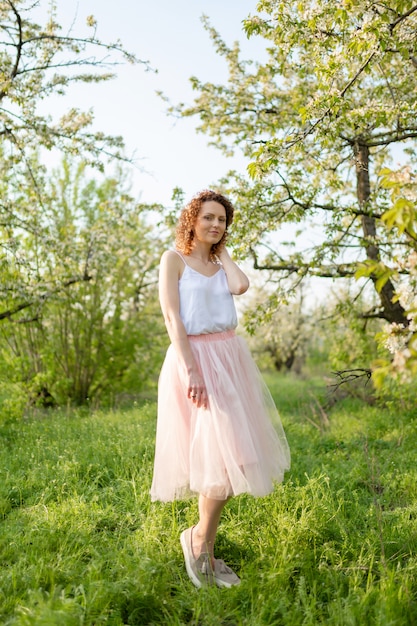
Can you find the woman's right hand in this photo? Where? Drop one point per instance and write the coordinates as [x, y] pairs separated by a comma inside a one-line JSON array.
[[197, 391]]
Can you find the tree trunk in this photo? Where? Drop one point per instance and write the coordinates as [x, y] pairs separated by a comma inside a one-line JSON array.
[[391, 311]]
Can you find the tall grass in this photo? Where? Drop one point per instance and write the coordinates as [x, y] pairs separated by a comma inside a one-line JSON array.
[[81, 543]]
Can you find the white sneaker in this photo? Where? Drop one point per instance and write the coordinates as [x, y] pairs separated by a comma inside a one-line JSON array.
[[224, 576], [199, 570]]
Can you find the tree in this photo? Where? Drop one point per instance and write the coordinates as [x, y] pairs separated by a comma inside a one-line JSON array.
[[98, 337], [282, 342], [37, 62], [319, 122]]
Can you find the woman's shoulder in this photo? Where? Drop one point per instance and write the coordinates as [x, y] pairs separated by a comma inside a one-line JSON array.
[[172, 260], [172, 256]]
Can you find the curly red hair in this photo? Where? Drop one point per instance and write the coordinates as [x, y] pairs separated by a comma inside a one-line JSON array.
[[184, 234]]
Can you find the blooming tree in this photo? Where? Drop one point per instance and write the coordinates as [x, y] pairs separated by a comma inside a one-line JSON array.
[[38, 61], [322, 121]]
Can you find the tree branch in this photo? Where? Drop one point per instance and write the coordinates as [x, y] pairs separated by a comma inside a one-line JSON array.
[[18, 46], [347, 376], [24, 305], [396, 136], [402, 17], [359, 212], [321, 271]]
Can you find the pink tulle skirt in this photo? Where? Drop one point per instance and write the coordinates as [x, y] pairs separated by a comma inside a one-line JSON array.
[[236, 445]]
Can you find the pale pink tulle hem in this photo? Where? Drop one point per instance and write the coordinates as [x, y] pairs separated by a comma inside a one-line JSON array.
[[236, 445]]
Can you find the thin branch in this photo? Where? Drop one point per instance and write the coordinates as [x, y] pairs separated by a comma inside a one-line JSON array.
[[94, 42], [78, 63], [18, 46], [349, 375], [323, 271], [395, 138], [402, 17], [358, 73], [358, 212]]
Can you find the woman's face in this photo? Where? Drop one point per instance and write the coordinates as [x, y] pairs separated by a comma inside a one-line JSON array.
[[210, 223]]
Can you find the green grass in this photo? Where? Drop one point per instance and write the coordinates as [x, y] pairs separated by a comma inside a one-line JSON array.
[[336, 544]]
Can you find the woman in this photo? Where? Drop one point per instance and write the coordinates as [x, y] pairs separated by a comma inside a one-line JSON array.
[[214, 432]]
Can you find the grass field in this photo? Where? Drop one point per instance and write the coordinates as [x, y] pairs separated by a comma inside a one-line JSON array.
[[336, 544]]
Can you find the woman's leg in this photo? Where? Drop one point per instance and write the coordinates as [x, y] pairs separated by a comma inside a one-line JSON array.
[[204, 533], [200, 540]]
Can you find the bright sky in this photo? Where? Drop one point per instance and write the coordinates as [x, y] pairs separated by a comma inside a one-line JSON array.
[[170, 35]]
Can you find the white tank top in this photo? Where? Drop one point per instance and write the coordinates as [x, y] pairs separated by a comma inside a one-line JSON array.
[[206, 304]]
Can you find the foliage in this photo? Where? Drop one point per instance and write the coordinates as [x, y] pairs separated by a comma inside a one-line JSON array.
[[79, 341], [38, 62], [347, 340], [13, 400], [281, 341], [401, 339], [320, 121], [336, 544]]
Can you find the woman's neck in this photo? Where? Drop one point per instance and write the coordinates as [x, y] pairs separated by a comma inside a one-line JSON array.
[[201, 253]]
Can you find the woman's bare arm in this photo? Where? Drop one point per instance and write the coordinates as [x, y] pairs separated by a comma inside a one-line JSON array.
[[236, 279], [169, 275]]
